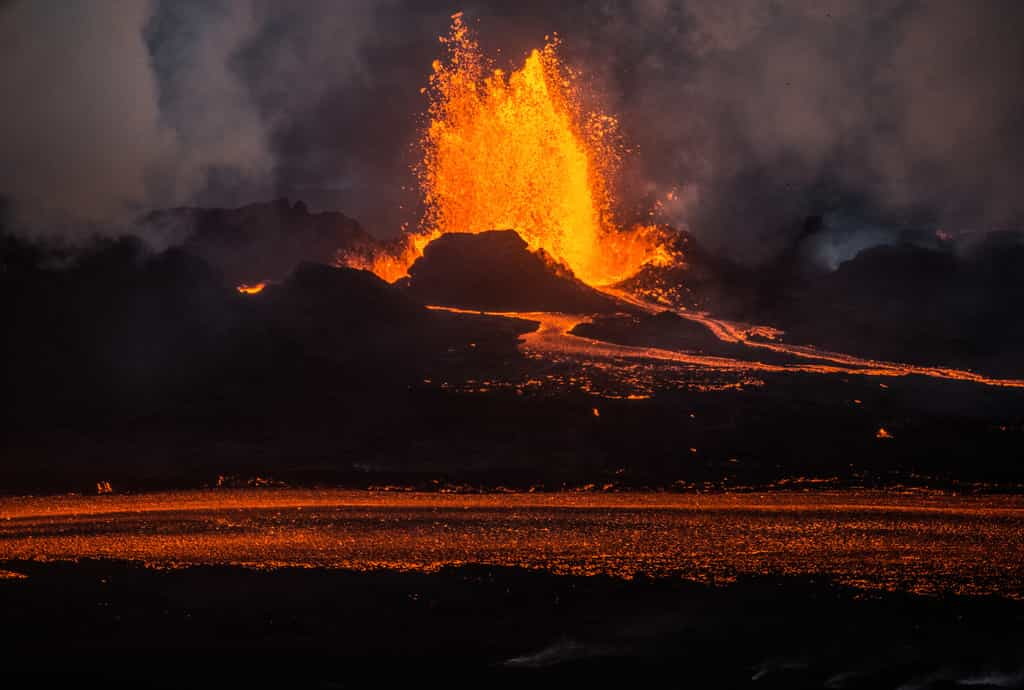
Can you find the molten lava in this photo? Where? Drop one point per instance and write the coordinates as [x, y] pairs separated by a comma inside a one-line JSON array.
[[516, 150], [250, 288]]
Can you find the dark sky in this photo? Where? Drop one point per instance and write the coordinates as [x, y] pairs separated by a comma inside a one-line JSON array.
[[888, 112]]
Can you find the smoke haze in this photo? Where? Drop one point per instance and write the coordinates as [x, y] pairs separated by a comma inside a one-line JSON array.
[[895, 113]]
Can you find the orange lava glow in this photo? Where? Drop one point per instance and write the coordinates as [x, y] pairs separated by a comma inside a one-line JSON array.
[[923, 542], [517, 150], [554, 341], [251, 289], [392, 263]]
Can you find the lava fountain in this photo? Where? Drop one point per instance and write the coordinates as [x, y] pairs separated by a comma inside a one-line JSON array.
[[517, 150]]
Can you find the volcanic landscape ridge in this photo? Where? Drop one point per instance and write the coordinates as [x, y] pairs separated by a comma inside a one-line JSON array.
[[575, 344], [499, 365]]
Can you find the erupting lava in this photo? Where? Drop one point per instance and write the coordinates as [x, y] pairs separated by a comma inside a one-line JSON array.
[[516, 150]]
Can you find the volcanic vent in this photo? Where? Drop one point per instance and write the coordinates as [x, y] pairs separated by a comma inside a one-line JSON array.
[[518, 150], [494, 271]]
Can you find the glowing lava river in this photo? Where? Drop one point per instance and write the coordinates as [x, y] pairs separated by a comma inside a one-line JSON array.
[[526, 149], [921, 542], [616, 370]]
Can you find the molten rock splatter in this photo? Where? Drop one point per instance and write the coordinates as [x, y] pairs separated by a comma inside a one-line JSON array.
[[516, 150]]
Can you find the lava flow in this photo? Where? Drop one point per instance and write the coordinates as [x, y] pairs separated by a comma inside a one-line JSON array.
[[553, 340], [517, 150], [250, 288], [926, 542]]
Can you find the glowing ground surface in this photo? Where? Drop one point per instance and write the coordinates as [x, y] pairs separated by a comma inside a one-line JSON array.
[[613, 370], [913, 541]]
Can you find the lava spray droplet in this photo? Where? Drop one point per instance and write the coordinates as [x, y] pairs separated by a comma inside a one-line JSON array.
[[517, 150]]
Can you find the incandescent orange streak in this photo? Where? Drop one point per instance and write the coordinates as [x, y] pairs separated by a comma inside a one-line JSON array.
[[553, 337], [516, 150], [250, 288], [945, 542]]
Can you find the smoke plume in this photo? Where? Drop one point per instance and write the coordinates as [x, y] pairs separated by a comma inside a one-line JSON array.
[[755, 114]]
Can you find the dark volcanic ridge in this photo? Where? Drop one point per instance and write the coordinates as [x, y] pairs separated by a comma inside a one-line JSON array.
[[125, 328], [258, 242], [701, 280], [934, 305], [144, 368], [495, 271], [490, 271], [919, 304], [930, 303]]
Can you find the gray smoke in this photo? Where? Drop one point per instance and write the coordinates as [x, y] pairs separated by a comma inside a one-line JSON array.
[[900, 113], [80, 126], [115, 107]]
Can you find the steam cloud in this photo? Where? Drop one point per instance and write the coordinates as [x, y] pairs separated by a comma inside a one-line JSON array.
[[895, 112]]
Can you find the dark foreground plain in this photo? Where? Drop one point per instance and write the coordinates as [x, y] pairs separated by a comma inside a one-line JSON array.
[[307, 588]]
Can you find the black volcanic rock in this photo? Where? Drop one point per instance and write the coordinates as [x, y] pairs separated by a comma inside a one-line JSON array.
[[494, 271], [700, 280], [144, 368], [119, 330], [344, 315], [352, 320], [665, 330], [258, 242], [366, 298], [921, 305], [116, 325], [669, 331], [903, 302]]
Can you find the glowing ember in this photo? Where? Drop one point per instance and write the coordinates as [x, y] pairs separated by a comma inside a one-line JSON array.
[[251, 289], [516, 150], [883, 433]]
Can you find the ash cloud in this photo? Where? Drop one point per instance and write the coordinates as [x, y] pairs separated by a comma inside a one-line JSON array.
[[894, 114]]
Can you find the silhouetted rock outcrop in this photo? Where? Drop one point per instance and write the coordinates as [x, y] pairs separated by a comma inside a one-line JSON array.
[[119, 329], [664, 330], [135, 367], [918, 304], [495, 271], [701, 280], [366, 298], [938, 305], [259, 241]]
